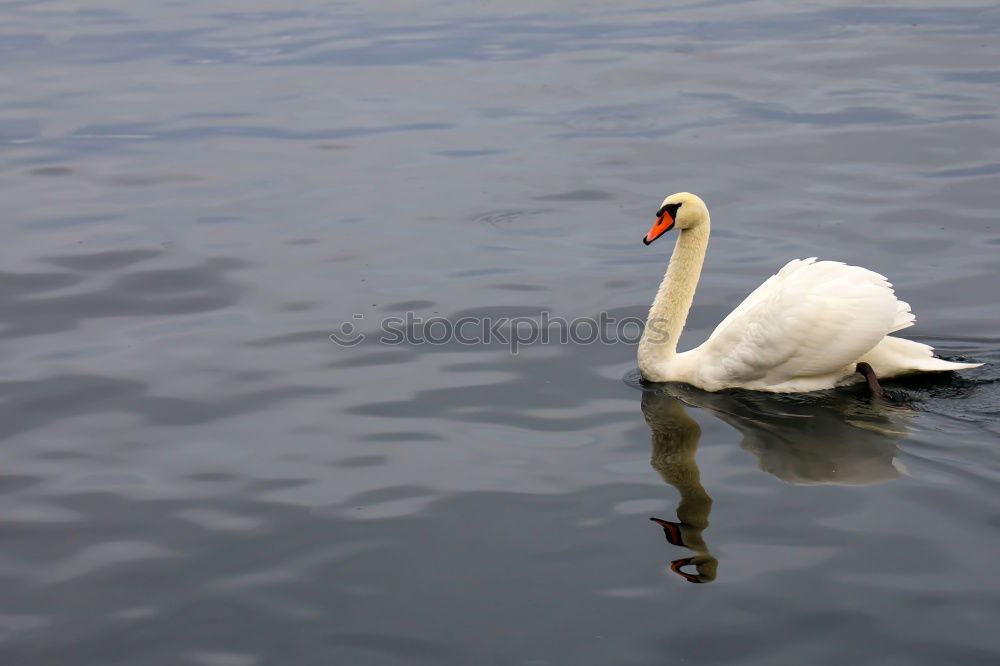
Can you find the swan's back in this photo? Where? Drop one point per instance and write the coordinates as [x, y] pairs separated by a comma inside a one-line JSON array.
[[811, 320]]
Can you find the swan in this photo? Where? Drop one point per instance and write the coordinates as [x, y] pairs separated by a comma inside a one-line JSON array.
[[813, 325]]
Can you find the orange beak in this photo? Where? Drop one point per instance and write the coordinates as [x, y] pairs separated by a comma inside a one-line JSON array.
[[663, 224]]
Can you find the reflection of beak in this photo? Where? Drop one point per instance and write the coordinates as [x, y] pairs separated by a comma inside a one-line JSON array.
[[663, 224], [672, 531]]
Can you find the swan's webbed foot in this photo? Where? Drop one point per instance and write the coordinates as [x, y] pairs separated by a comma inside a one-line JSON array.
[[868, 373]]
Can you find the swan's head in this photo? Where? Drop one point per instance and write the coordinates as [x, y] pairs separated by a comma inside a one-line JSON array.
[[682, 210]]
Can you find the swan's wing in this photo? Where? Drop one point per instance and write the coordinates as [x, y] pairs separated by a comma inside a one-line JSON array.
[[811, 318]]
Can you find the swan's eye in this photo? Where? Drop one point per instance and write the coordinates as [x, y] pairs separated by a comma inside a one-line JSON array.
[[669, 208]]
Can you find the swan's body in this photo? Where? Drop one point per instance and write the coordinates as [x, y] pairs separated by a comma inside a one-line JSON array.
[[804, 329]]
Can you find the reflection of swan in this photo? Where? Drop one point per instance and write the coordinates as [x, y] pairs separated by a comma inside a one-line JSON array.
[[813, 326], [675, 440], [828, 439]]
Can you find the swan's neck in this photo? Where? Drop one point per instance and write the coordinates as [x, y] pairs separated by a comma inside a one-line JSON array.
[[673, 299]]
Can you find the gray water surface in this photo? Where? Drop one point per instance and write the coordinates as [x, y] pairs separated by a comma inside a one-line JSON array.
[[197, 195]]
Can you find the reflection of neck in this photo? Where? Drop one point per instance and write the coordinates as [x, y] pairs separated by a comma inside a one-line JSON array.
[[670, 308], [675, 438]]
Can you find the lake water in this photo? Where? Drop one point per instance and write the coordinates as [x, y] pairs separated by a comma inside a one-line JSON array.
[[197, 195]]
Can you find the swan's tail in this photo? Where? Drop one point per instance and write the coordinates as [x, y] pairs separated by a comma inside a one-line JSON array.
[[934, 364], [899, 356]]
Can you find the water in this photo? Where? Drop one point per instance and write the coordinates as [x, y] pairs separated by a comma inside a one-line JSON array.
[[197, 195]]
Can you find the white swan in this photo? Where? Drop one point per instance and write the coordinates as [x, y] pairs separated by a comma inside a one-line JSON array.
[[805, 329]]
